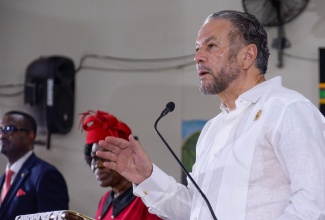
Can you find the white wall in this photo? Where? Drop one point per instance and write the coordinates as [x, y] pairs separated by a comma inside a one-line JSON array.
[[133, 29]]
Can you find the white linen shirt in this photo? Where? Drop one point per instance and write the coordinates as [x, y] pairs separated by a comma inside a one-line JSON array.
[[265, 160]]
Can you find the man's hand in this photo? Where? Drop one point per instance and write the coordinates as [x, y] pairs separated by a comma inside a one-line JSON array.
[[126, 157]]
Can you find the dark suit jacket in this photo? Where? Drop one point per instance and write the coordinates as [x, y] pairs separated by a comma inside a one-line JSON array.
[[38, 187]]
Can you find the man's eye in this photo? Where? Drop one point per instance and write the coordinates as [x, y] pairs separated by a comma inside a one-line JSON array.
[[211, 46]]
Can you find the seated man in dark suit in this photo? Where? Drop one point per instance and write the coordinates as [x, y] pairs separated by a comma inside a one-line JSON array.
[[34, 185]]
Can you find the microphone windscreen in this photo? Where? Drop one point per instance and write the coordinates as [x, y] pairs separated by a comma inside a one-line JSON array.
[[170, 106]]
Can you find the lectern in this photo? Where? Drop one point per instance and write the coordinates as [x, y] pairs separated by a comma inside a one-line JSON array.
[[55, 215]]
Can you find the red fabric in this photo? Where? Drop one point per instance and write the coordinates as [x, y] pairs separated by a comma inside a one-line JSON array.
[[136, 210], [20, 192], [101, 124], [6, 185]]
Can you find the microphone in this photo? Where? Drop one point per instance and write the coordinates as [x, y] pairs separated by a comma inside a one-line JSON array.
[[169, 108]]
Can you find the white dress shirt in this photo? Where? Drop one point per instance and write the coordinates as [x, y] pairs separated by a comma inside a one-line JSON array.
[[265, 160]]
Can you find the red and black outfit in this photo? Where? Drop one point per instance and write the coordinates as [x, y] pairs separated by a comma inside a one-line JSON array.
[[125, 207]]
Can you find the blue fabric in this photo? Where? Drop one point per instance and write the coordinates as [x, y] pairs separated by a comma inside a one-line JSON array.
[[41, 187]]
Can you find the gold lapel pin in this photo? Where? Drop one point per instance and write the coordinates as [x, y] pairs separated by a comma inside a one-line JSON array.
[[258, 115]]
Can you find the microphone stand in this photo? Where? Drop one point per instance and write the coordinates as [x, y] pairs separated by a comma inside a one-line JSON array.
[[165, 112]]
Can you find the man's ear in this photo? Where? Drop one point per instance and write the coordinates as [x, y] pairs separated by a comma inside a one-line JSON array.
[[249, 56], [31, 135]]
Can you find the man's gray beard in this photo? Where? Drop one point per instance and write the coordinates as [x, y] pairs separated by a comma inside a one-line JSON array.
[[217, 86], [213, 89], [222, 82]]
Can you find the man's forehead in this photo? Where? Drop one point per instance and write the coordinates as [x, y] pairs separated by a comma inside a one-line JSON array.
[[212, 30], [12, 119]]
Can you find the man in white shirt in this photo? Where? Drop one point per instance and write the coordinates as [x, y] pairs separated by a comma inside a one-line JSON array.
[[262, 157]]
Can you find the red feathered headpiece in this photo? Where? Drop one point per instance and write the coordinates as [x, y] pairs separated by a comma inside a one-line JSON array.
[[101, 124]]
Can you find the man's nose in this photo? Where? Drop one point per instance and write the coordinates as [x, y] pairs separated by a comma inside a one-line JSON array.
[[200, 56]]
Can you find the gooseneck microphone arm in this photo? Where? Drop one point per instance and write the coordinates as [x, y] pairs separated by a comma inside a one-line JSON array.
[[169, 108]]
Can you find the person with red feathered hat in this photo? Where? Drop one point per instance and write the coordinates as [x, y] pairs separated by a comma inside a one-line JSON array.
[[119, 202]]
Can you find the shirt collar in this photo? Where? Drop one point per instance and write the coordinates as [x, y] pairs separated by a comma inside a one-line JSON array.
[[119, 203], [19, 163], [254, 94]]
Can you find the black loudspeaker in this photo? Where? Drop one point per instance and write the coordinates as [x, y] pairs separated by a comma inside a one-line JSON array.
[[322, 80], [49, 93]]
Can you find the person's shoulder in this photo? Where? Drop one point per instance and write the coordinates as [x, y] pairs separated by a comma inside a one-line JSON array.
[[104, 197], [212, 121], [274, 89], [287, 95], [44, 165], [106, 194]]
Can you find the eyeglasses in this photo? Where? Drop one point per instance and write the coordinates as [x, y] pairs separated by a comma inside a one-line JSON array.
[[10, 129]]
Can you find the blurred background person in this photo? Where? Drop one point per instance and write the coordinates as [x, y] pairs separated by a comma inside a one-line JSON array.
[[29, 185], [119, 202]]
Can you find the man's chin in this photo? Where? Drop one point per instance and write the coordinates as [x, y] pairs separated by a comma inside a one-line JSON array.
[[206, 91]]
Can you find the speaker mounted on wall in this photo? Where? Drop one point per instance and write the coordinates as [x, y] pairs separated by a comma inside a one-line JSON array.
[[49, 94]]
